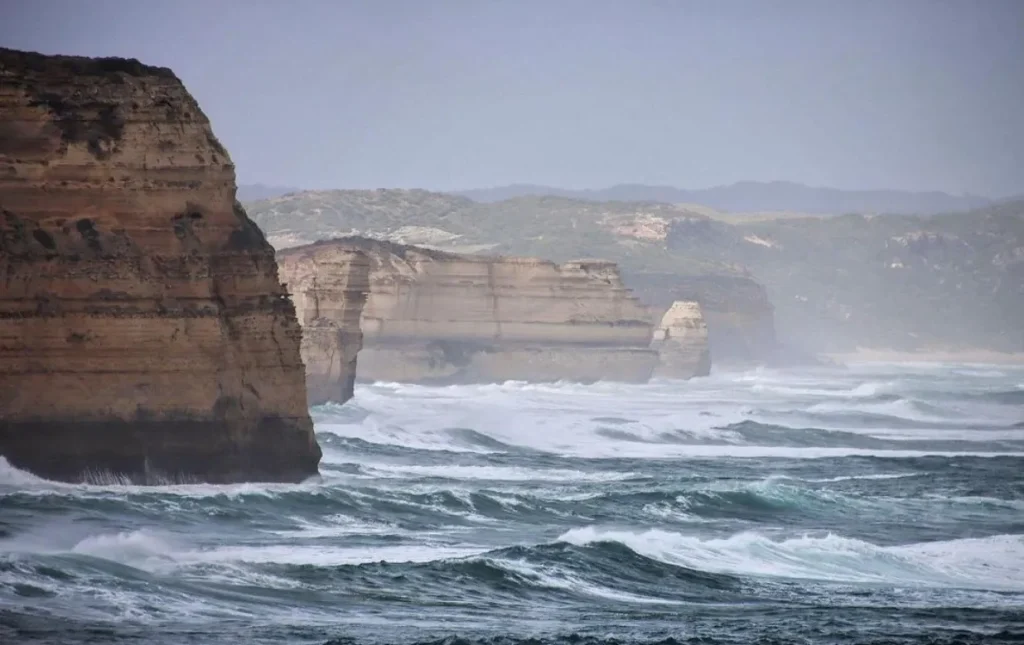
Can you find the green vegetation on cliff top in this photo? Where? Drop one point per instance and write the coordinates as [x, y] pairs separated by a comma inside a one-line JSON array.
[[901, 282]]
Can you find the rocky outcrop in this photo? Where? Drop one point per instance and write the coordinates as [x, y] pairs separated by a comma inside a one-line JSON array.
[[739, 316], [681, 340], [143, 329], [328, 284], [437, 317]]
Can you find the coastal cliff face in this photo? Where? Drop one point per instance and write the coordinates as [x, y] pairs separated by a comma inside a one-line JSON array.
[[328, 284], [681, 340], [666, 252], [143, 330], [436, 317]]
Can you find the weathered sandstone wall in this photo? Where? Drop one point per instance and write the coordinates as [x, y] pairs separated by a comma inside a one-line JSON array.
[[681, 340], [328, 284], [143, 328], [435, 317]]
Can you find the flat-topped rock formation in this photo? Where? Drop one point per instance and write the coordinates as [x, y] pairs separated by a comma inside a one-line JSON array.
[[437, 317], [144, 331], [328, 284], [665, 252], [681, 339]]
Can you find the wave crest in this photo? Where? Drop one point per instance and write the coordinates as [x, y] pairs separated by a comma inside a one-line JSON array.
[[993, 563]]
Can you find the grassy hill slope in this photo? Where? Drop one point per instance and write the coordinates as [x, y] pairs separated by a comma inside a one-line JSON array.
[[949, 281]]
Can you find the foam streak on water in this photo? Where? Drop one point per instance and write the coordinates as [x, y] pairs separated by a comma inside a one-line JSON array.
[[872, 504]]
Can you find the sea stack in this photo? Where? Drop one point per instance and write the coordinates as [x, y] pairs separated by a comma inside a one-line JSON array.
[[681, 339], [433, 317], [144, 332]]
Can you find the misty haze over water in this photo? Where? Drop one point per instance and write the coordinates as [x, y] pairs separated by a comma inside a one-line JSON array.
[[834, 189]]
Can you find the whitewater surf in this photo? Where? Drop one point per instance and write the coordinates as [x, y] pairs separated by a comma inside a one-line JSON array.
[[874, 504]]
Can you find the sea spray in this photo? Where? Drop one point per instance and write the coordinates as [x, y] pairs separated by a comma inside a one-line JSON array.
[[866, 505]]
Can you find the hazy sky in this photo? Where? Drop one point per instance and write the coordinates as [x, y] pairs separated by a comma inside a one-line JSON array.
[[918, 94]]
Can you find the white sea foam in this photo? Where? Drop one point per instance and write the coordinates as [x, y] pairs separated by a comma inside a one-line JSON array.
[[18, 479], [843, 478], [146, 601], [993, 563], [660, 420], [555, 578], [798, 389], [576, 436], [20, 482], [164, 553], [900, 409], [142, 549], [494, 473], [317, 555], [334, 526], [696, 419], [211, 551]]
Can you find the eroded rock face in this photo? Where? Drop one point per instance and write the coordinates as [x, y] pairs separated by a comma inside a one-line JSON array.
[[143, 328], [740, 318], [436, 317], [328, 285], [681, 340]]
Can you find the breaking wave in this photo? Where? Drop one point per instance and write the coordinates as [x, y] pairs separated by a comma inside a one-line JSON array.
[[864, 505]]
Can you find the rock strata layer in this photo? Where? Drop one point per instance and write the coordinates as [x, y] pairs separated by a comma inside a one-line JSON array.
[[143, 330], [681, 340], [436, 317], [328, 284]]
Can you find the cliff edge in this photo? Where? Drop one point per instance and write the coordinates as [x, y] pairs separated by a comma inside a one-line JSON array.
[[437, 317], [143, 330], [328, 285]]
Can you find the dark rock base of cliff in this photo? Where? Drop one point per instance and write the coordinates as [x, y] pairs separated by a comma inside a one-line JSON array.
[[160, 452]]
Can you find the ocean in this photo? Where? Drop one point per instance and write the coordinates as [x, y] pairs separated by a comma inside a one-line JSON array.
[[867, 504]]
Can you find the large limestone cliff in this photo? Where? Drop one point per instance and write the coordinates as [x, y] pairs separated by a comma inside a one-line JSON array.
[[681, 340], [328, 284], [436, 317], [143, 328]]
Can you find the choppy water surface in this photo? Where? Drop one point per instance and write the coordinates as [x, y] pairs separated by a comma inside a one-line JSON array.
[[867, 505]]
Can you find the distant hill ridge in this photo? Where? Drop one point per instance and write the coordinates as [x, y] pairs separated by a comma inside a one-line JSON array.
[[253, 192], [951, 281], [741, 197], [752, 196]]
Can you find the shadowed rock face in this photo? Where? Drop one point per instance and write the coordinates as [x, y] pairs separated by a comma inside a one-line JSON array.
[[143, 329], [436, 317]]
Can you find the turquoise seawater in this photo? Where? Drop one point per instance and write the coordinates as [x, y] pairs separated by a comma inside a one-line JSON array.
[[872, 504]]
